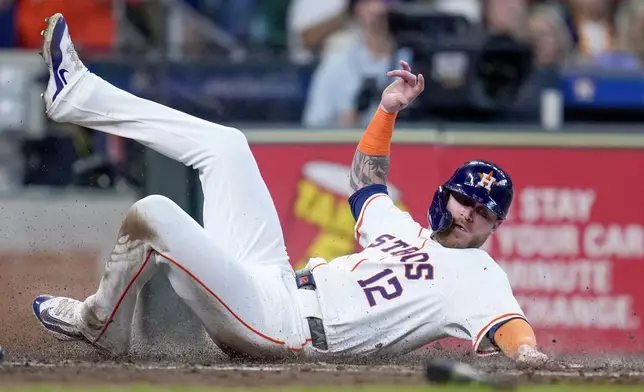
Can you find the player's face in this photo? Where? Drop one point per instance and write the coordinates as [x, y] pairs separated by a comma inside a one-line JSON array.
[[473, 223]]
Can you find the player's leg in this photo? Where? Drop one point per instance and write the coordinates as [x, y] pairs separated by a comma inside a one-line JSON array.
[[254, 316], [238, 209]]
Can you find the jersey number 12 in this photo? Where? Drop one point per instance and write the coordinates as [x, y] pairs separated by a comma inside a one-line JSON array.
[[416, 268], [370, 288], [413, 271]]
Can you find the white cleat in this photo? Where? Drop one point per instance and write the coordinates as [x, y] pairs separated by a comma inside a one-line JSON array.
[[60, 316], [65, 68]]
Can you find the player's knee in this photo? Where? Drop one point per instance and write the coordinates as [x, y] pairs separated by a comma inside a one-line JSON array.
[[237, 137], [234, 141], [141, 219], [147, 216], [151, 206]]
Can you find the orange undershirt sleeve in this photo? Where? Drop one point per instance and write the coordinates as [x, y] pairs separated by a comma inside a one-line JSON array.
[[377, 138]]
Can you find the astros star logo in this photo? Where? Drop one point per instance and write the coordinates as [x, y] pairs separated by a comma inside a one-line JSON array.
[[486, 181]]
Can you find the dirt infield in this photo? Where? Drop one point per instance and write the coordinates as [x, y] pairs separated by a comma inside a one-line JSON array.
[[36, 358], [251, 375], [26, 275], [222, 375], [75, 364]]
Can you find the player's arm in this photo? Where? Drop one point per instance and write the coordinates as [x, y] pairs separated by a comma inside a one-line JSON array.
[[371, 160], [370, 166], [496, 321], [510, 333], [517, 340]]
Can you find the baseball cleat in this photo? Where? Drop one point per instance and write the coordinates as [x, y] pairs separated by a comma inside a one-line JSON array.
[[58, 51], [58, 315], [61, 317]]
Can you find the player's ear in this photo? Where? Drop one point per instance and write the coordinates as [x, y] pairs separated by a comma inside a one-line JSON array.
[[496, 225]]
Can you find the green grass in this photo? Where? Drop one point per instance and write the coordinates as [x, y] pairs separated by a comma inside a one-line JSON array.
[[545, 388]]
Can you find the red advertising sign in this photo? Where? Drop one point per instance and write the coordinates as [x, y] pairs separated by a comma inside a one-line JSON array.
[[573, 244]]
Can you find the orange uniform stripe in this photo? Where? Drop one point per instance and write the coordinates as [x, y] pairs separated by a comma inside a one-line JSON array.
[[299, 349], [245, 324], [318, 265], [127, 288], [190, 274], [357, 264]]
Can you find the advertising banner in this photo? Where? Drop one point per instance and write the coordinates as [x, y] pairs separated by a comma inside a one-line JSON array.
[[572, 246]]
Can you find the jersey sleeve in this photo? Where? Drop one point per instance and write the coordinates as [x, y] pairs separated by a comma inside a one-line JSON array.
[[483, 306], [376, 214]]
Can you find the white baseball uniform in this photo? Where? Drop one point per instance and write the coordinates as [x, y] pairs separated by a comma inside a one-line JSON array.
[[403, 291]]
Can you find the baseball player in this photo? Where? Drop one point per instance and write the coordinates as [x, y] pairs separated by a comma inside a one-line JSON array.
[[409, 286]]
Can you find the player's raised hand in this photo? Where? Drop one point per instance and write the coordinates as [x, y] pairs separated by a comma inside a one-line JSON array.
[[399, 94]]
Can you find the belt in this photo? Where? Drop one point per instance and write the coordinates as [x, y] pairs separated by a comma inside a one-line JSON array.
[[304, 280]]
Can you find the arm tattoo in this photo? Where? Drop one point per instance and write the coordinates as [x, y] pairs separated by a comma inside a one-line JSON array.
[[368, 170]]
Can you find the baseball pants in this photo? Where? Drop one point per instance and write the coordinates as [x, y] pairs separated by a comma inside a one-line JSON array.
[[234, 272]]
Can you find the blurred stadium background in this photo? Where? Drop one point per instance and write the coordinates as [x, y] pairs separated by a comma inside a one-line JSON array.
[[551, 90]]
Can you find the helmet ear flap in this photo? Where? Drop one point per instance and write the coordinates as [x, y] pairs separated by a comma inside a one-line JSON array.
[[438, 216]]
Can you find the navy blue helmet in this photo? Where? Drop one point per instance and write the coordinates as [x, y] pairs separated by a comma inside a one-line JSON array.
[[481, 181]]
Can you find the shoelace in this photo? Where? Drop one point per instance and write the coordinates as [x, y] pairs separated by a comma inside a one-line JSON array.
[[64, 309], [71, 52]]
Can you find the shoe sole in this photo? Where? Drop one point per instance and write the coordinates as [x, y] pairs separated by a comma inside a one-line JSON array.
[[47, 36]]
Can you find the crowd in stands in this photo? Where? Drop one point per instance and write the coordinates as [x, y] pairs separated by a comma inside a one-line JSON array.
[[347, 42], [349, 39], [603, 31]]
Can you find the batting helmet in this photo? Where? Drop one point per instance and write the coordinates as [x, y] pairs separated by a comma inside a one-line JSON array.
[[481, 181]]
